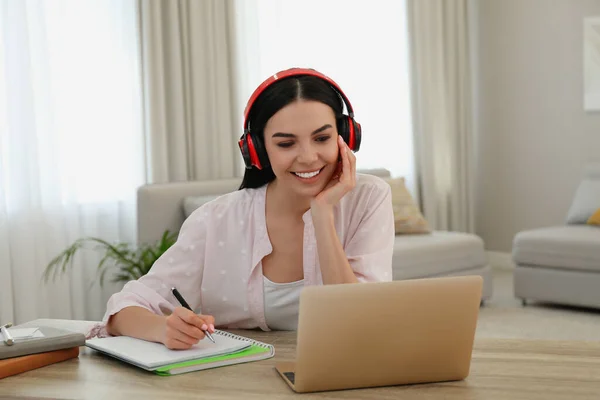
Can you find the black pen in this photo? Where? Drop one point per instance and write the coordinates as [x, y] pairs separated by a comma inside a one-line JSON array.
[[184, 303]]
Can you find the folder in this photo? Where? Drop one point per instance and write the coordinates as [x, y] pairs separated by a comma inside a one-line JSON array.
[[51, 339]]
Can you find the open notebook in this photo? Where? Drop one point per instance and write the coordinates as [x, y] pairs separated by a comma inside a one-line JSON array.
[[228, 349]]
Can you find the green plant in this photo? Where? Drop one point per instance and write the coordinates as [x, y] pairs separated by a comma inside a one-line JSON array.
[[131, 263]]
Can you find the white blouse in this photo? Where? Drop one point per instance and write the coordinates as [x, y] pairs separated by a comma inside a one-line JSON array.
[[282, 301], [216, 262]]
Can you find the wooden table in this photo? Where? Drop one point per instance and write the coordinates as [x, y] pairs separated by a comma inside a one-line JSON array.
[[500, 369]]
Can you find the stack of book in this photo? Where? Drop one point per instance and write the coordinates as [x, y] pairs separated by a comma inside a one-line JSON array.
[[37, 347]]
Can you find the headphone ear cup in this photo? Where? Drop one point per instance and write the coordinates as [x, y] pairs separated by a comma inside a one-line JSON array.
[[260, 152], [344, 129], [357, 133], [350, 131], [248, 148], [243, 145]]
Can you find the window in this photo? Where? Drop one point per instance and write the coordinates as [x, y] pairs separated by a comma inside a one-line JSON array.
[[70, 101]]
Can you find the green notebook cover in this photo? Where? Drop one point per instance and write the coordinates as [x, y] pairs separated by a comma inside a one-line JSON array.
[[253, 350]]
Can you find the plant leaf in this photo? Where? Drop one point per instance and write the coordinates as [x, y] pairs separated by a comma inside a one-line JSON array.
[[130, 262]]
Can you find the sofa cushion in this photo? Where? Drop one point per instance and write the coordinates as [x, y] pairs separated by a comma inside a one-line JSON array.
[[568, 247], [440, 252], [595, 218], [585, 202], [587, 197], [408, 218]]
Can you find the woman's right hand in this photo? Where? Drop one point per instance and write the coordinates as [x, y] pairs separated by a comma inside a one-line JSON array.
[[184, 328]]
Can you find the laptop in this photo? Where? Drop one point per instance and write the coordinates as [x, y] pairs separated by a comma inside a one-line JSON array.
[[388, 333]]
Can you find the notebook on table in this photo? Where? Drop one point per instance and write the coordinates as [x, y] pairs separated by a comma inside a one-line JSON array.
[[229, 349]]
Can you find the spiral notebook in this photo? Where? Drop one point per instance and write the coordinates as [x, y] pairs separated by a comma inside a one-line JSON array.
[[228, 349]]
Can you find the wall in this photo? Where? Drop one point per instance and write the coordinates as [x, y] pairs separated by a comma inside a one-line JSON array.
[[533, 136]]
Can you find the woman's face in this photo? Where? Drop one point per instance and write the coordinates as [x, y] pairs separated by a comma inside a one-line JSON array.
[[301, 142]]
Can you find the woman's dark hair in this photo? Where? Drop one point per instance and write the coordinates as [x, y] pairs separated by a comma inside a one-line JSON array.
[[273, 99]]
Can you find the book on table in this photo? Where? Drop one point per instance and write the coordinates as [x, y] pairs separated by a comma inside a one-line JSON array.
[[228, 349], [17, 365], [36, 347]]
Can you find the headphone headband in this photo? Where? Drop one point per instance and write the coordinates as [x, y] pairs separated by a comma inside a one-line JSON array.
[[289, 73], [253, 151]]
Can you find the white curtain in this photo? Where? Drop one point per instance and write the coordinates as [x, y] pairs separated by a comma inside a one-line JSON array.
[[361, 45], [441, 73], [190, 116], [71, 147]]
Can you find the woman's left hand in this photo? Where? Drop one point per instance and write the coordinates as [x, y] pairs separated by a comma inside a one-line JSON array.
[[342, 181]]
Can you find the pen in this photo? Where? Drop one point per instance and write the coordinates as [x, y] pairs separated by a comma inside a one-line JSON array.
[[184, 303], [7, 338]]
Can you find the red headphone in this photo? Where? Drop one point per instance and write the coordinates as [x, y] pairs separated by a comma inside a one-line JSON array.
[[251, 146]]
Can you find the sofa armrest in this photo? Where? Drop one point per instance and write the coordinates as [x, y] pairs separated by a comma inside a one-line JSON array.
[[160, 206]]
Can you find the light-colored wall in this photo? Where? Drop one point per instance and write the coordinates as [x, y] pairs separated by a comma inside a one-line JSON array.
[[533, 136]]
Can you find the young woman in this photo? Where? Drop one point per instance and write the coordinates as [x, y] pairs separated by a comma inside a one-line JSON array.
[[302, 217]]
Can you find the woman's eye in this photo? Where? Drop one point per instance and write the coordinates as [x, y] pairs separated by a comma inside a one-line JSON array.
[[322, 138], [285, 144]]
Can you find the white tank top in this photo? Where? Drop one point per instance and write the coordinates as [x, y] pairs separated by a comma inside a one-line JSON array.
[[282, 301]]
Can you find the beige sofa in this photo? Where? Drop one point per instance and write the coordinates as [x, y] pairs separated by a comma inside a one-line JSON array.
[[561, 264], [161, 207]]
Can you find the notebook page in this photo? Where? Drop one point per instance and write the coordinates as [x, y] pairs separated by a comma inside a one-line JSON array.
[[150, 355]]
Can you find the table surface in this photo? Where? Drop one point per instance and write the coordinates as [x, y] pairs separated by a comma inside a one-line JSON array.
[[500, 369]]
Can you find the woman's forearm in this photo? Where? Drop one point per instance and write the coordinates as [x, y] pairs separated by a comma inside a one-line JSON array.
[[137, 322], [335, 267]]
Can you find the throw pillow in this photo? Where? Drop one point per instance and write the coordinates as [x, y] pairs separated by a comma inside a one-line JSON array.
[[191, 203], [407, 216], [585, 202], [595, 218]]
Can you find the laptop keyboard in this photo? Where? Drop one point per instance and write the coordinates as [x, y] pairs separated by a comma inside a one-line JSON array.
[[290, 375]]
